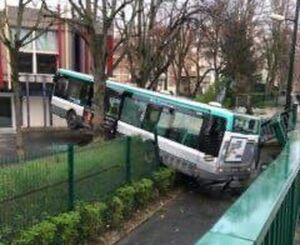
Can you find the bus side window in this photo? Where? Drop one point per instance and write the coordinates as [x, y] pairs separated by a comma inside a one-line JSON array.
[[112, 103], [165, 122], [151, 118], [61, 87], [180, 127], [211, 135], [185, 129], [133, 111]]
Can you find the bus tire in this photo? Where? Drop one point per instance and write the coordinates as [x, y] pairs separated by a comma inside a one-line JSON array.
[[72, 120]]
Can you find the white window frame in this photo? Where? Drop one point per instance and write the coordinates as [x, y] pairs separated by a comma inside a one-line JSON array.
[[34, 53]]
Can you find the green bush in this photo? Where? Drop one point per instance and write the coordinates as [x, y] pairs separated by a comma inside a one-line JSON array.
[[163, 180], [40, 234], [115, 212], [144, 192], [6, 232], [92, 220], [89, 220], [67, 225], [127, 196]]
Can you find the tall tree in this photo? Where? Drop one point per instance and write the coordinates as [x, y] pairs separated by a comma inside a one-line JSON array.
[[238, 49], [14, 37], [151, 47], [94, 22], [276, 46]]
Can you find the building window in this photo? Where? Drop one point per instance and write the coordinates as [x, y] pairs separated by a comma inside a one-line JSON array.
[[5, 112], [46, 63], [39, 57], [25, 62]]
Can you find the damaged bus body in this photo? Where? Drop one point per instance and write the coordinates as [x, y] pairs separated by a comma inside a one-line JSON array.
[[200, 140]]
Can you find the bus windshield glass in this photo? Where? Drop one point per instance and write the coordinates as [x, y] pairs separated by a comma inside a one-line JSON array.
[[245, 125]]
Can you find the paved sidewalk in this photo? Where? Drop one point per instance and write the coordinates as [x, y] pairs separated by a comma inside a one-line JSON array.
[[182, 222], [188, 217]]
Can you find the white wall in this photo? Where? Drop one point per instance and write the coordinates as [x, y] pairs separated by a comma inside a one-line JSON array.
[[36, 113]]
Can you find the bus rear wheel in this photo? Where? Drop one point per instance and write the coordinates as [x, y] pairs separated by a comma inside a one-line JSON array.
[[72, 120]]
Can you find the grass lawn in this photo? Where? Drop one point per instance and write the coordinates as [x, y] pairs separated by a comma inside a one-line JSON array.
[[35, 189]]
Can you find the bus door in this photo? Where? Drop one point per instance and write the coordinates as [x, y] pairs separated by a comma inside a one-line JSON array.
[[211, 135], [112, 108]]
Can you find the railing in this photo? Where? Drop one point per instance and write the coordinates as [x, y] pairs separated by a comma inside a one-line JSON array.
[[259, 100], [42, 186], [267, 212]]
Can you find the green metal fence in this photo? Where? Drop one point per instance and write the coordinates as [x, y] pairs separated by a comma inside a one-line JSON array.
[[34, 189], [267, 212], [259, 100]]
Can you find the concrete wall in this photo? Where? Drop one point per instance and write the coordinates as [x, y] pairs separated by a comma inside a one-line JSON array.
[[36, 113]]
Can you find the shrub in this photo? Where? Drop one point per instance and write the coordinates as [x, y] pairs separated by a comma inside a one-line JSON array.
[[92, 220], [40, 234], [115, 212], [127, 196], [67, 225], [6, 232], [163, 180], [144, 191]]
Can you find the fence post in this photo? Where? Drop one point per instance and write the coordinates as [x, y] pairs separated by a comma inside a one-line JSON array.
[[157, 159], [71, 176], [295, 114], [128, 159]]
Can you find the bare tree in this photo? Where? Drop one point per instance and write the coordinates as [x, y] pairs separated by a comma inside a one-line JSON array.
[[276, 46], [150, 48], [238, 48], [94, 22], [15, 37], [183, 44], [189, 54], [212, 35]]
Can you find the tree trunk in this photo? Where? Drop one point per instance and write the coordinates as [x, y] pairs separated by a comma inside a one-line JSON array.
[[14, 61], [99, 63], [179, 78]]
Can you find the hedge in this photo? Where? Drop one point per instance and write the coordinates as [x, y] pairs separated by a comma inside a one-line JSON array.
[[88, 221]]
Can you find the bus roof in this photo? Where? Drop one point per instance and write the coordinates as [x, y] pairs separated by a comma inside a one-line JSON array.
[[156, 97]]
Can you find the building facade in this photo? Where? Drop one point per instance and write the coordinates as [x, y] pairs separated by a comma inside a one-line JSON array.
[[58, 47]]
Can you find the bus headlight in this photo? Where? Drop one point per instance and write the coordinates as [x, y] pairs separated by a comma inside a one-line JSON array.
[[235, 150]]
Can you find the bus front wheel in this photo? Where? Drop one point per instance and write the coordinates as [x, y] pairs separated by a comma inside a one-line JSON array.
[[72, 120]]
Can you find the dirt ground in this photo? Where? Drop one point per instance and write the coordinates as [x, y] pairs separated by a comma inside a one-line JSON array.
[[42, 140]]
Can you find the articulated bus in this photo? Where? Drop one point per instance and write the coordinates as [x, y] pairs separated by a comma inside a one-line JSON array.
[[200, 140]]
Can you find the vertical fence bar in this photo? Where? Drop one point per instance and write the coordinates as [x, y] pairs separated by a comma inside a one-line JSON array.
[[128, 159], [157, 160], [294, 114], [71, 176]]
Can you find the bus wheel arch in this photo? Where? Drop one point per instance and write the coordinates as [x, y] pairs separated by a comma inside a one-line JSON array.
[[71, 118]]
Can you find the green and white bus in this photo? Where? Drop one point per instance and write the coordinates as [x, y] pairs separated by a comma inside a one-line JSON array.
[[200, 140]]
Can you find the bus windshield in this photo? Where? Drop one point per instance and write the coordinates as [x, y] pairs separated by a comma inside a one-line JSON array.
[[245, 125], [73, 90]]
